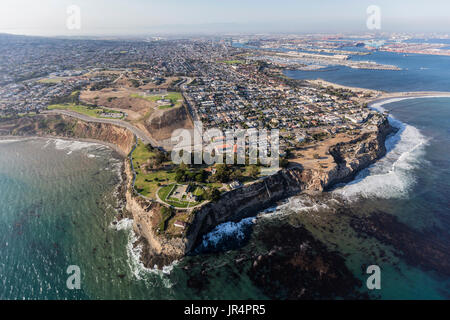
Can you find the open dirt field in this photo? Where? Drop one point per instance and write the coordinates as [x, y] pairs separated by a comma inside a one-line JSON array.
[[316, 156], [121, 99]]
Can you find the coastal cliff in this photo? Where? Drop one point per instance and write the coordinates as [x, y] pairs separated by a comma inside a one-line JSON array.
[[349, 158], [158, 249], [59, 126], [164, 121]]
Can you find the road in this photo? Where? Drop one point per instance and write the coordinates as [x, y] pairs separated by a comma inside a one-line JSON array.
[[136, 131]]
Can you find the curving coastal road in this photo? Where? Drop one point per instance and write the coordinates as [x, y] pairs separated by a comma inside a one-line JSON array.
[[136, 131]]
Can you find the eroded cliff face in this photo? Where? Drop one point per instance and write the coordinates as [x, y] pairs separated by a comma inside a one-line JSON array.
[[357, 154], [244, 202], [158, 250], [59, 126], [163, 122], [122, 138], [350, 158]]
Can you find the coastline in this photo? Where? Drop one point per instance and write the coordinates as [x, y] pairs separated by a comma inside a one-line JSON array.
[[399, 96], [104, 143], [157, 250]]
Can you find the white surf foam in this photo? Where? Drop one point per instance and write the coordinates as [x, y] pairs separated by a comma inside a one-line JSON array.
[[225, 230], [303, 204], [134, 253], [71, 146], [391, 176], [123, 224]]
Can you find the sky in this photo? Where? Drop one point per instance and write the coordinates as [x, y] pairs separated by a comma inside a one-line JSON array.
[[152, 17]]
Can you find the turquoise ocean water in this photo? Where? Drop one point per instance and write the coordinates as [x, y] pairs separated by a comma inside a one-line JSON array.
[[58, 208]]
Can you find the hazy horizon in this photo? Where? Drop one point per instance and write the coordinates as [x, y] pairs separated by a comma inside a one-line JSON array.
[[138, 17]]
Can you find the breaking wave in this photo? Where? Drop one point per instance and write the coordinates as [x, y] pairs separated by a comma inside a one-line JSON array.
[[391, 176], [227, 235], [72, 145], [134, 253]]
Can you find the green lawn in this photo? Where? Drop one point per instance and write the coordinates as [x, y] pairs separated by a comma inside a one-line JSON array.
[[168, 106], [198, 191], [147, 183], [164, 195], [94, 112], [164, 191], [217, 185], [233, 61], [174, 97], [141, 153]]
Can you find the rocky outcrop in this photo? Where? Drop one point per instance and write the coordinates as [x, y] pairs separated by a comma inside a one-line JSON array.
[[350, 158], [158, 249]]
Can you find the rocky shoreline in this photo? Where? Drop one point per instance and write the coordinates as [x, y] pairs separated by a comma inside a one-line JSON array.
[[159, 250], [350, 158]]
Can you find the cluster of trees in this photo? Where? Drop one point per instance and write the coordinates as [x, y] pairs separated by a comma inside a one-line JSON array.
[[225, 173], [212, 194], [158, 159], [184, 174], [100, 85], [341, 93], [320, 136]]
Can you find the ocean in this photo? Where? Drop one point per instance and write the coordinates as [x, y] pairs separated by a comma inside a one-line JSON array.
[[419, 73], [59, 203]]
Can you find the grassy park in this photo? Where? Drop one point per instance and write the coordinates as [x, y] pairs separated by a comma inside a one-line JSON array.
[[165, 193], [233, 61], [148, 182]]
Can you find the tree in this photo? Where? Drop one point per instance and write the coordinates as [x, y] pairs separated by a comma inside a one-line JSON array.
[[200, 176], [166, 215], [236, 175], [180, 175], [212, 194], [222, 173], [253, 171], [160, 157], [284, 163]]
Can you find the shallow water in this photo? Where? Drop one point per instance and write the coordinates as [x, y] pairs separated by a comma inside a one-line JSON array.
[[58, 207]]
